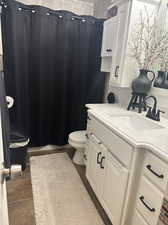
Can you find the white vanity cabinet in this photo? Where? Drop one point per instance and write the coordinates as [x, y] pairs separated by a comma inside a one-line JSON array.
[[106, 171], [117, 36], [130, 181]]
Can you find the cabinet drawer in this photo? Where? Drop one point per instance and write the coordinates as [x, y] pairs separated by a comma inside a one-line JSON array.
[[117, 146], [149, 201], [138, 219], [156, 170]]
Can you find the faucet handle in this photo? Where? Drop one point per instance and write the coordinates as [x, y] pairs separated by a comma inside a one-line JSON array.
[[161, 111], [158, 114]]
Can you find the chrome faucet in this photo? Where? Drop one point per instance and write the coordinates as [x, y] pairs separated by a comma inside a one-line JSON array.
[[153, 113]]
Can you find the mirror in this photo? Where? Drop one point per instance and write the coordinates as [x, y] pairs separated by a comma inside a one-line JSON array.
[[149, 41], [161, 80]]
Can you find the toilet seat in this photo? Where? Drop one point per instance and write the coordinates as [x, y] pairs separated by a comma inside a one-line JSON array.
[[78, 138]]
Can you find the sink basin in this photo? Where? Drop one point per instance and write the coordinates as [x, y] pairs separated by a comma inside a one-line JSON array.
[[135, 122]]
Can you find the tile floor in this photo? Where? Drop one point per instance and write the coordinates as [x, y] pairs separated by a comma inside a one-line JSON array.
[[20, 200], [20, 197]]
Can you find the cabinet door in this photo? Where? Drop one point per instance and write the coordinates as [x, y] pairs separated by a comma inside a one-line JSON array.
[[109, 37], [94, 172], [115, 185], [138, 219], [121, 40]]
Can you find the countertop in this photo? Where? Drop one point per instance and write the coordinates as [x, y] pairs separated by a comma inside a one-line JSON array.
[[154, 140]]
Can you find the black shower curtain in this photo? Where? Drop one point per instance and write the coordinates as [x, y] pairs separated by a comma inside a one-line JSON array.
[[52, 69]]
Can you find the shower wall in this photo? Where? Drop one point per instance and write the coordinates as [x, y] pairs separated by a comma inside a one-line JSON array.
[[100, 8], [81, 7]]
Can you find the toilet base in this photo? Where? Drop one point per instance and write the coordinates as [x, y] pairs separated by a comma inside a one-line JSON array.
[[78, 157]]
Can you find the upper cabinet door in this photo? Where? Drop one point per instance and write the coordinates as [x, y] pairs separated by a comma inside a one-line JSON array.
[[121, 41], [109, 37]]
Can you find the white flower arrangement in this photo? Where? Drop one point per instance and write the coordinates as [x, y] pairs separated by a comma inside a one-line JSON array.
[[163, 60], [149, 43]]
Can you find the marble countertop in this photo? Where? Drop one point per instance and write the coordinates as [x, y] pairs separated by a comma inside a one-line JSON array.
[[154, 140]]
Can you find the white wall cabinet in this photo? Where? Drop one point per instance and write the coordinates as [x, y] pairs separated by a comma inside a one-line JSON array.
[[122, 68], [120, 45]]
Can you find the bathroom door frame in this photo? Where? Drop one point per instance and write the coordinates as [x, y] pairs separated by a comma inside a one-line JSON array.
[[3, 194]]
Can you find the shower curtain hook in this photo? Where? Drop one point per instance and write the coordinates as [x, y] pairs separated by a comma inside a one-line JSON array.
[[20, 9], [33, 11], [60, 16], [47, 14], [83, 20], [5, 6], [73, 18]]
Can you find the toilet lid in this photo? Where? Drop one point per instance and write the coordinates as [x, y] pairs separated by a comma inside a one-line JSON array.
[[78, 136]]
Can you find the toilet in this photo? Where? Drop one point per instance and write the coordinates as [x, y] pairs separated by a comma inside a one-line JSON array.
[[77, 140]]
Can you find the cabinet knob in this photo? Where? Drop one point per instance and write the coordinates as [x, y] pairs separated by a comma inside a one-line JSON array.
[[101, 163], [108, 50], [85, 157], [116, 71], [98, 156]]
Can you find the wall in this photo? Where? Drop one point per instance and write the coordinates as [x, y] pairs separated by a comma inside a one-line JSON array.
[[123, 96], [100, 8], [83, 7]]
